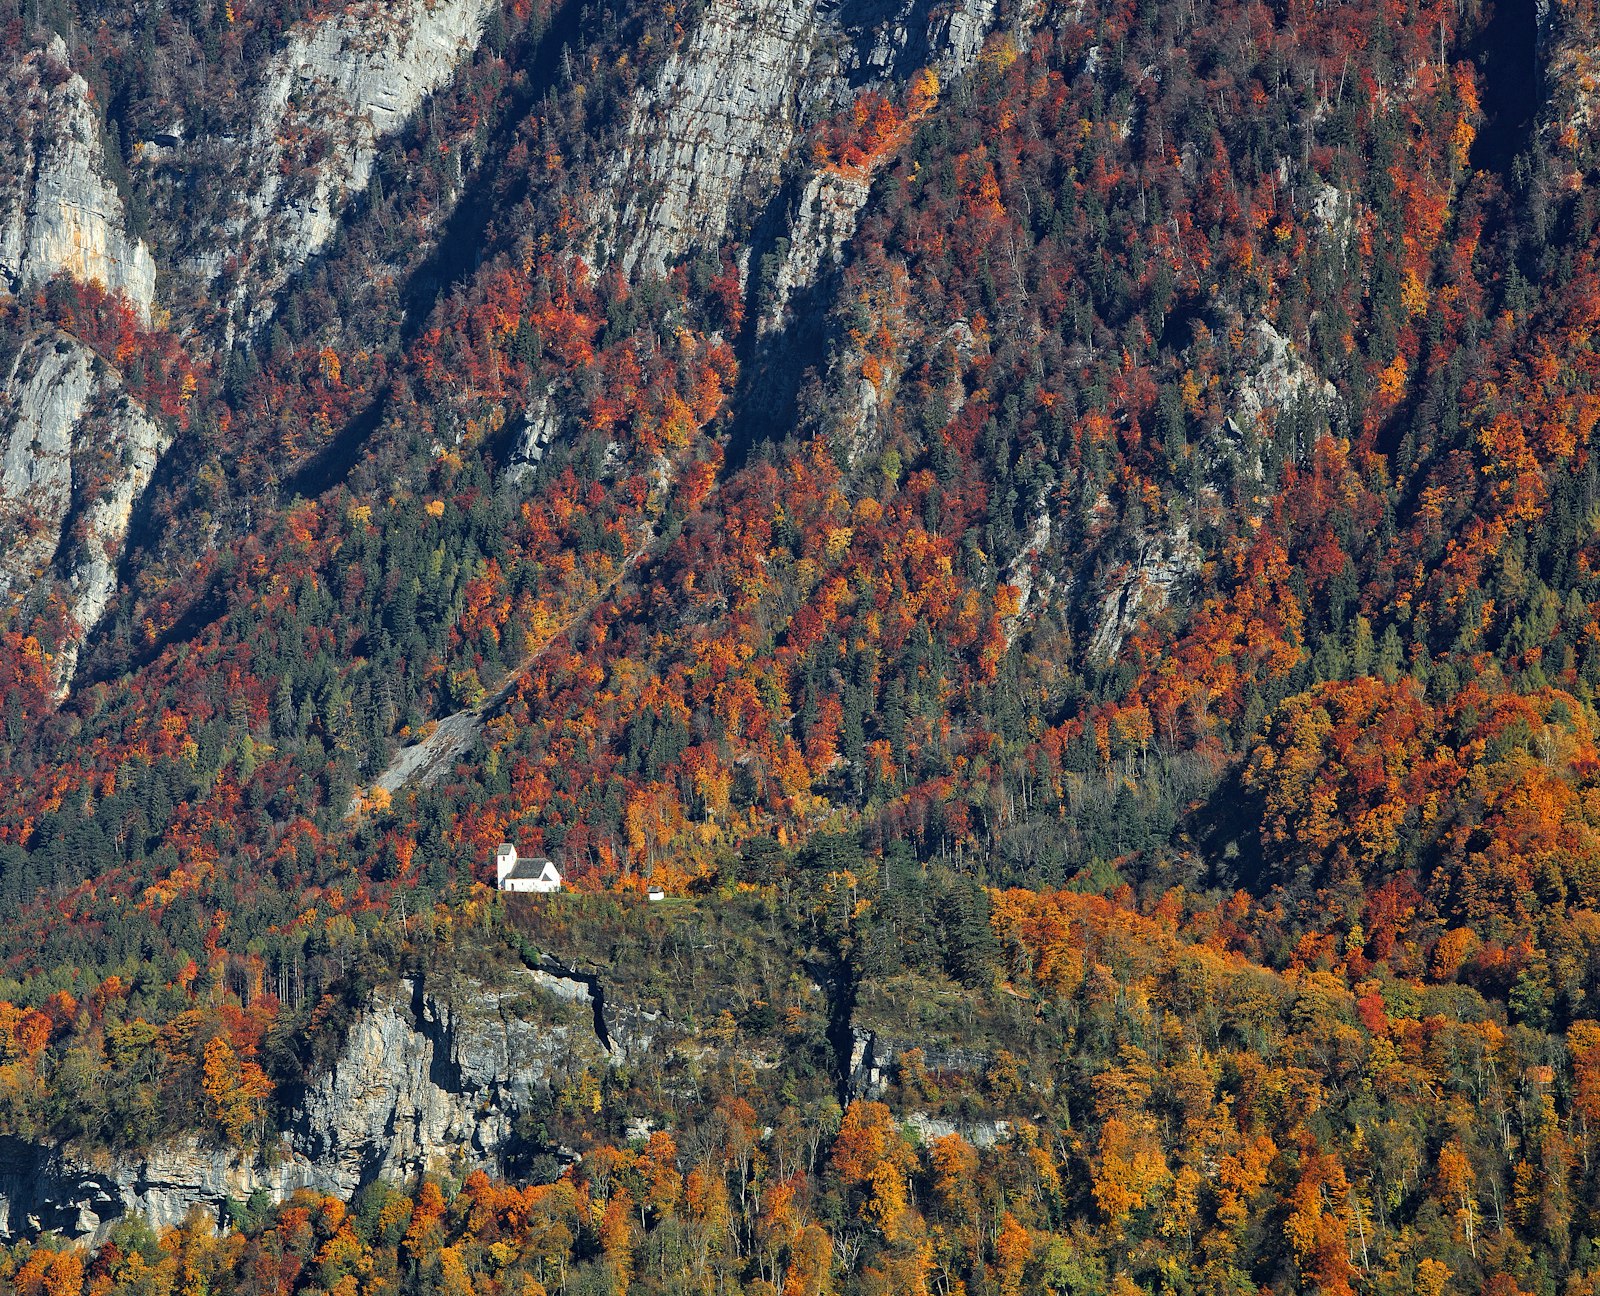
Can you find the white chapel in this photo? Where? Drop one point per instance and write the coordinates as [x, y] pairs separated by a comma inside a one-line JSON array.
[[515, 874]]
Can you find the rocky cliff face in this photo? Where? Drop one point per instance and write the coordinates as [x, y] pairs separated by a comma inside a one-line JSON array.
[[717, 125], [58, 212], [873, 1055], [819, 225], [1276, 378], [336, 90], [47, 392], [717, 130], [75, 454], [425, 1081], [1143, 587], [50, 1189]]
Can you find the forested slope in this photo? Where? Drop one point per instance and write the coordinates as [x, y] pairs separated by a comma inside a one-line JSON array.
[[1071, 527]]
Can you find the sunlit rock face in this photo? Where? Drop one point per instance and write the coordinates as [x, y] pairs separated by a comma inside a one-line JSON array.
[[717, 131], [424, 1082], [59, 214]]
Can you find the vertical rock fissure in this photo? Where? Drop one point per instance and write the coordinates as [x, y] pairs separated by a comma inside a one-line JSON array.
[[1507, 57], [841, 1025], [460, 244], [772, 366], [597, 996]]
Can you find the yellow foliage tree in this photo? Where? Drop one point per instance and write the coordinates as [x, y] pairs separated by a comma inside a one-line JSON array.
[[236, 1090]]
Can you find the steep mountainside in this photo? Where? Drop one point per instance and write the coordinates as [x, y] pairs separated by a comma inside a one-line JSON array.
[[1065, 537]]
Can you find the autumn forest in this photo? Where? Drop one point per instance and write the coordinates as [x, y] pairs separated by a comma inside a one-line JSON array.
[[1083, 591]]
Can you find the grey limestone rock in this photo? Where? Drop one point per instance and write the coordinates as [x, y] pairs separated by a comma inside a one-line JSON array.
[[355, 78], [983, 1133], [58, 212], [719, 122], [1278, 376], [823, 220], [1142, 587], [874, 1055], [76, 452], [718, 129], [47, 392], [51, 1189], [425, 1081]]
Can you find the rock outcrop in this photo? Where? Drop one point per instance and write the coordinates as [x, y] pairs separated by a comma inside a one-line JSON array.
[[51, 1189], [540, 425], [76, 452], [1277, 378], [1024, 575], [718, 124], [424, 1081], [874, 1054], [1142, 587], [46, 392], [893, 40], [979, 1133], [59, 214], [821, 223]]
